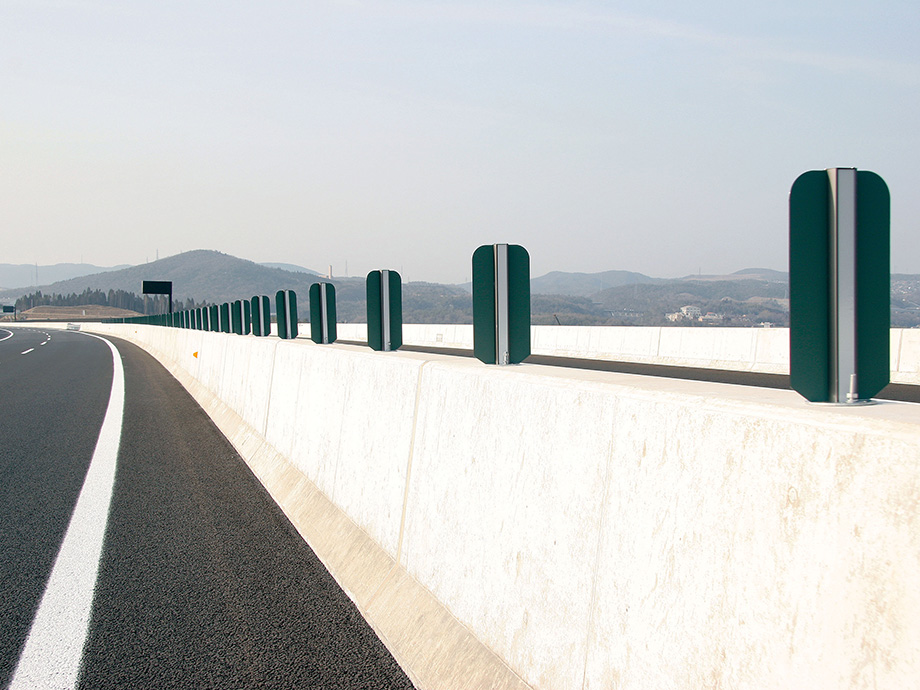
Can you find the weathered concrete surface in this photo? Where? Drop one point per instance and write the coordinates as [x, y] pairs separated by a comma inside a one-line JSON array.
[[574, 529]]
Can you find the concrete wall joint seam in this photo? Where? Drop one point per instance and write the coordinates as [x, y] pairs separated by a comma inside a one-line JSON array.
[[601, 532], [402, 519]]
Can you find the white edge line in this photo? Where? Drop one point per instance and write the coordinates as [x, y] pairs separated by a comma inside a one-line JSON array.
[[53, 650], [31, 349], [6, 337]]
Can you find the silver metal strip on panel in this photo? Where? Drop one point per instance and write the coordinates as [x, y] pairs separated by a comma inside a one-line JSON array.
[[324, 316], [287, 313], [385, 308], [843, 284], [502, 355]]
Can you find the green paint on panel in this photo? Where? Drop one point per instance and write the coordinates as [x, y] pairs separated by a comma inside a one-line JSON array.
[[395, 310], [518, 304], [873, 284], [266, 315], [809, 286], [374, 311], [247, 317], [279, 311], [484, 304], [316, 317], [292, 306], [236, 317]]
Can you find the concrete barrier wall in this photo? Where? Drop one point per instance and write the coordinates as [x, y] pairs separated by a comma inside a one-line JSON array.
[[763, 350], [575, 529]]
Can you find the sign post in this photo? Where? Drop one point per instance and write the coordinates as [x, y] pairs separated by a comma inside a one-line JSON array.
[[384, 310], [501, 304], [839, 285], [322, 313]]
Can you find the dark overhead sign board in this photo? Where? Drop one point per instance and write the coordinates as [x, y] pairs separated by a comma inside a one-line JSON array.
[[9, 310], [157, 287]]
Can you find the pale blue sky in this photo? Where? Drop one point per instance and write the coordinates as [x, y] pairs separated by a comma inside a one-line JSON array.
[[657, 137]]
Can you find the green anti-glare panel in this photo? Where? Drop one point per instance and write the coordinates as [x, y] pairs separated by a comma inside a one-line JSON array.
[[254, 310], [247, 317], [873, 283], [292, 310], [225, 317], [261, 320], [236, 317], [809, 286], [316, 313], [286, 314], [266, 316], [375, 310], [810, 319], [484, 304], [518, 303], [279, 310]]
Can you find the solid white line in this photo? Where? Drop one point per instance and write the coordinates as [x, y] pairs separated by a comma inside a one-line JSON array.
[[27, 351], [51, 656], [6, 337]]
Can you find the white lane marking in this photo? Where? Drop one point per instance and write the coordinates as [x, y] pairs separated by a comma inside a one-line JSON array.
[[31, 349], [9, 335], [51, 656]]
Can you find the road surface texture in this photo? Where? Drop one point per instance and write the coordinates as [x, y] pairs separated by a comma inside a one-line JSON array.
[[202, 583]]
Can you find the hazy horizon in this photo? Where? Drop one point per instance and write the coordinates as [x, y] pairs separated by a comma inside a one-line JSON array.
[[658, 139], [322, 271]]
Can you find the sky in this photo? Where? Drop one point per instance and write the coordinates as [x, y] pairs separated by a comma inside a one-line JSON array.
[[659, 137]]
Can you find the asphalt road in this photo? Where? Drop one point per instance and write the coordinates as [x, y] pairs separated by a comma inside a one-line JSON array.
[[202, 583], [52, 401]]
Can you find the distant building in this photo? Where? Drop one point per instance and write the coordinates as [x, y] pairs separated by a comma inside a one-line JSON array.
[[712, 317], [691, 312]]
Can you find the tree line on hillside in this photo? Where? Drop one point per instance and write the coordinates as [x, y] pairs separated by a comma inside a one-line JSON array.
[[121, 299]]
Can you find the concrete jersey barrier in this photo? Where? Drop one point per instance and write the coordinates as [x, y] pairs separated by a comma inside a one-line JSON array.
[[764, 350], [534, 527]]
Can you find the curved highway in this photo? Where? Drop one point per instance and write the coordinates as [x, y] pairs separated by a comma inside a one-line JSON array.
[[202, 582]]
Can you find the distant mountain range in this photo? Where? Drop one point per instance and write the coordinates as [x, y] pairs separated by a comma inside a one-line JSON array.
[[745, 297], [21, 275], [203, 275], [293, 268]]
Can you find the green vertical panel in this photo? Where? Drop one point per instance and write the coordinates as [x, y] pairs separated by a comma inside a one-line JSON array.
[[279, 312], [330, 312], [873, 284], [809, 286], [484, 304], [395, 311], [236, 317], [374, 309], [266, 315], [225, 317], [518, 304], [292, 305], [254, 310], [316, 315], [214, 317], [247, 317]]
